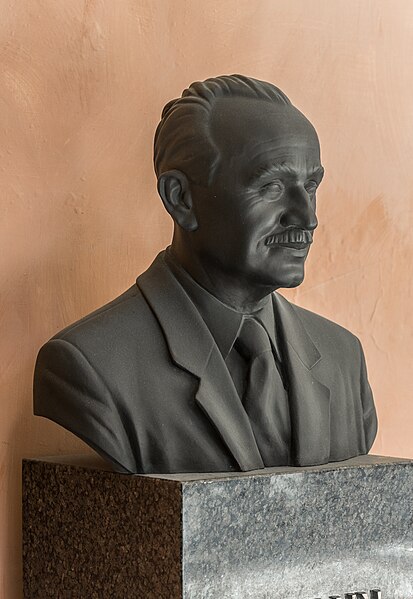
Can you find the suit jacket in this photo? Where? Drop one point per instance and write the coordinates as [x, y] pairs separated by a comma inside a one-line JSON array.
[[142, 381]]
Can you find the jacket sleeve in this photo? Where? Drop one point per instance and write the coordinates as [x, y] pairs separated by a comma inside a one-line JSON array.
[[369, 410], [69, 391]]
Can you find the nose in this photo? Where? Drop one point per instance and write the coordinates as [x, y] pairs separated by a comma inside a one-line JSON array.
[[299, 211]]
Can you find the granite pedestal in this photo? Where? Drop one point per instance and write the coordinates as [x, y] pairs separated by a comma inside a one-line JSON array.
[[279, 533]]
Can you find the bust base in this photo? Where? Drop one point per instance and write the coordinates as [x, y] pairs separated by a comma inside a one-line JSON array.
[[278, 533]]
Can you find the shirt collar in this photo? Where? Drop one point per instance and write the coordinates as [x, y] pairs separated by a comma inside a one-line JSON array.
[[223, 321]]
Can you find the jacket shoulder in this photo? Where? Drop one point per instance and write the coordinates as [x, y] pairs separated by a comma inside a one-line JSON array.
[[124, 314], [316, 320], [328, 335]]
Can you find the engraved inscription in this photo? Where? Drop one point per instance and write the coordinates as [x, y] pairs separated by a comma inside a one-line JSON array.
[[374, 594]]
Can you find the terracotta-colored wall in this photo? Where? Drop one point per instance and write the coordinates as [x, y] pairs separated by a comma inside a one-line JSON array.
[[82, 86]]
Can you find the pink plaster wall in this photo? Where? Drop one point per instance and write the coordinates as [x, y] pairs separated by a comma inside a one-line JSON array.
[[82, 86]]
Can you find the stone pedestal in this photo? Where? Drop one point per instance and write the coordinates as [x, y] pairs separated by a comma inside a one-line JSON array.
[[279, 533]]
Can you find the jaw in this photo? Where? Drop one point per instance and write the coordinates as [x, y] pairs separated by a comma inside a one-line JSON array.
[[243, 280], [279, 266]]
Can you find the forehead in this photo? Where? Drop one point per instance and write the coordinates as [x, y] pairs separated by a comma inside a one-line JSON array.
[[253, 130]]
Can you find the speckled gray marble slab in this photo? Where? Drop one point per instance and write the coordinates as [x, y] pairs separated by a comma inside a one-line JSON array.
[[279, 533], [299, 533]]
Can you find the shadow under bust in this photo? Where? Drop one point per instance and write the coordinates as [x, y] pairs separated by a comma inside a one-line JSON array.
[[202, 366]]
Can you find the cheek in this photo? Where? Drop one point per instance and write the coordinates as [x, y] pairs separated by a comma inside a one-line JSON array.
[[264, 219]]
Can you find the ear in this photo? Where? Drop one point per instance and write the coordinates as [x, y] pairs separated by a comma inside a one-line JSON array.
[[173, 187]]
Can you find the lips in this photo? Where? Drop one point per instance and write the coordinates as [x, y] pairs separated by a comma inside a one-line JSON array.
[[293, 238]]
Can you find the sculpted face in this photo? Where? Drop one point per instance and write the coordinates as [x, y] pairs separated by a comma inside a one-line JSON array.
[[249, 231], [256, 220]]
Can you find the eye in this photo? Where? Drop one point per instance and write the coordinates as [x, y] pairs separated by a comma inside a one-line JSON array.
[[311, 187], [272, 187]]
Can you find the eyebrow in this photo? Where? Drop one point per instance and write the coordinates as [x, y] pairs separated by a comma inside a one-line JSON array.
[[273, 169]]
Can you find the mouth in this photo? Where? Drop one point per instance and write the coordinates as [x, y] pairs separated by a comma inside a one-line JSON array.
[[297, 239]]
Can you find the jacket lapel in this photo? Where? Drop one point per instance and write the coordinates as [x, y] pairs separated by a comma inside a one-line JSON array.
[[309, 399], [193, 348], [218, 397]]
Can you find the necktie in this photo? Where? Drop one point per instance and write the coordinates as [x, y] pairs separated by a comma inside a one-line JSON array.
[[265, 399]]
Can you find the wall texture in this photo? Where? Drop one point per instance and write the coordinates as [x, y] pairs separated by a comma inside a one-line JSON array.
[[82, 86]]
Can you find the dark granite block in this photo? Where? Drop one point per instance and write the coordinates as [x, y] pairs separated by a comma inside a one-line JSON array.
[[93, 534], [279, 533]]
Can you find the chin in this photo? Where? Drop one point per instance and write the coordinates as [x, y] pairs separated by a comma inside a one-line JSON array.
[[276, 278], [292, 284], [294, 280]]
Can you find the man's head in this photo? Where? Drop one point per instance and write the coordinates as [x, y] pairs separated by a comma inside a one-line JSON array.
[[238, 167]]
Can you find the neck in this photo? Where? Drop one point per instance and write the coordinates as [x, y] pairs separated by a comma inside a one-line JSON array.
[[226, 287]]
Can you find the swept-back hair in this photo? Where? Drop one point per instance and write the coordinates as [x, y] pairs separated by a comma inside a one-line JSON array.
[[183, 138]]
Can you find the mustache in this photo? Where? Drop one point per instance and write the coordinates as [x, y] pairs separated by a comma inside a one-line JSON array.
[[301, 236]]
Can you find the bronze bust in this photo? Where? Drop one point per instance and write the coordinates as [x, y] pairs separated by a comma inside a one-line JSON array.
[[201, 366]]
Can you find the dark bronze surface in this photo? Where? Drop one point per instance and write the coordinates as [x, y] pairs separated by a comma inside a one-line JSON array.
[[145, 380]]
